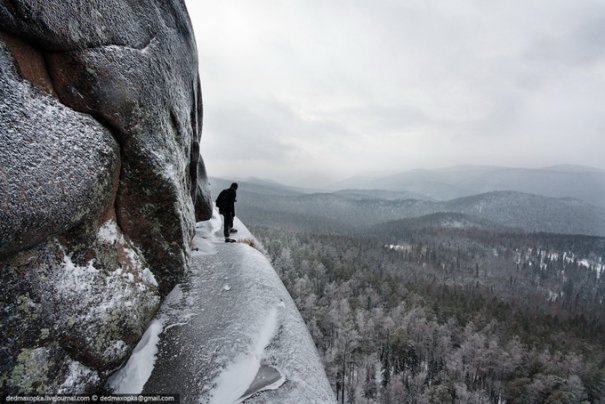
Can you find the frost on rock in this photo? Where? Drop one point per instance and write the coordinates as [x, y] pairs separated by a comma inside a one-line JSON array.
[[89, 306], [57, 166], [78, 375], [103, 308], [148, 277], [109, 233]]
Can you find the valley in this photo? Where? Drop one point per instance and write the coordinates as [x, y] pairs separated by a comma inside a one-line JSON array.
[[494, 297]]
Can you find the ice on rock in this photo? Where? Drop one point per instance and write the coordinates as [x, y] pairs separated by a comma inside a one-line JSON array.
[[267, 378], [148, 277]]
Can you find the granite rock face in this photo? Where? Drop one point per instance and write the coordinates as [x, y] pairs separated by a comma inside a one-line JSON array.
[[67, 320], [100, 181], [57, 166], [203, 202], [132, 66]]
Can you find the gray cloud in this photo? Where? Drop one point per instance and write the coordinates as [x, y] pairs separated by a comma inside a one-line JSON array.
[[254, 134], [342, 87]]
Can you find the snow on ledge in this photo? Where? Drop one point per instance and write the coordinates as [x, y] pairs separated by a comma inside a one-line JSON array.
[[217, 344], [234, 381], [131, 378]]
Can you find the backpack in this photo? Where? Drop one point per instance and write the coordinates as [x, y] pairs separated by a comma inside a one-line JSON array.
[[221, 200]]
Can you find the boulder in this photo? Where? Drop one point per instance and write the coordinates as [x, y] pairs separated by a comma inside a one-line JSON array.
[[68, 319], [57, 166], [133, 67]]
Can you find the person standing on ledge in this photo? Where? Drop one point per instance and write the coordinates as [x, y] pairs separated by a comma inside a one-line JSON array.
[[225, 202]]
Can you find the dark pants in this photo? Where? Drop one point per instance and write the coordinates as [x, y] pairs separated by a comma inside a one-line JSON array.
[[228, 223]]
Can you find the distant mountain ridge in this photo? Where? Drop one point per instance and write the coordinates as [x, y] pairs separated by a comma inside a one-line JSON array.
[[533, 212], [356, 210], [381, 194], [585, 183], [254, 185]]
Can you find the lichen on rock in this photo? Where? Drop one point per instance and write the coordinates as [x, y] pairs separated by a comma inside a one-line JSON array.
[[104, 309], [92, 312]]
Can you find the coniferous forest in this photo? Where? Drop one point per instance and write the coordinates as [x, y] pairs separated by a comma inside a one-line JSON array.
[[449, 314]]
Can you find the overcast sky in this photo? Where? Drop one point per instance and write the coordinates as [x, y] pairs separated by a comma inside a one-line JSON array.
[[296, 89]]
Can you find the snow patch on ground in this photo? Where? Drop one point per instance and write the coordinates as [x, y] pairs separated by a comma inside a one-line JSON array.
[[237, 377], [552, 296], [597, 266], [203, 246], [210, 228], [211, 231], [399, 247], [131, 378], [455, 224], [567, 258]]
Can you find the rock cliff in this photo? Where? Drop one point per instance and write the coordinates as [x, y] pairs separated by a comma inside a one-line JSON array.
[[101, 182]]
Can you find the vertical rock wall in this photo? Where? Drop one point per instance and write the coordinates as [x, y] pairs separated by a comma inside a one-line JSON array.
[[100, 181]]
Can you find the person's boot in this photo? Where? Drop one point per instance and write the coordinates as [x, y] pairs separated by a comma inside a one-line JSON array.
[[233, 230], [230, 240]]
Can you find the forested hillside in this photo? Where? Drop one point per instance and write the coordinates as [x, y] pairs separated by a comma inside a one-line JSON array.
[[418, 301], [460, 316]]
